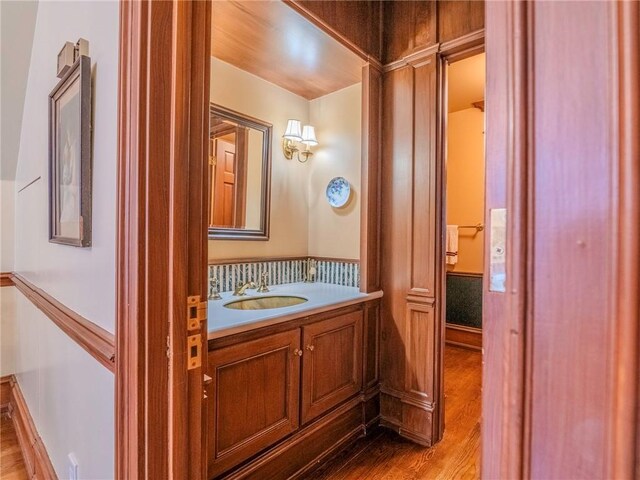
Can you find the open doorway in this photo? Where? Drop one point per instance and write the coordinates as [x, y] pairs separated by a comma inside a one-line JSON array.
[[463, 204]]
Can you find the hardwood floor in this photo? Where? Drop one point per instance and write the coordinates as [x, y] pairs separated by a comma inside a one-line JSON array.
[[11, 462], [386, 456]]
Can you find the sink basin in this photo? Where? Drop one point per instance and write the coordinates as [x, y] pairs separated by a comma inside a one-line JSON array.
[[264, 303]]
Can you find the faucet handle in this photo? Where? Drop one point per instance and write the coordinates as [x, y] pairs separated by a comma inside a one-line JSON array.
[[263, 288], [214, 293]]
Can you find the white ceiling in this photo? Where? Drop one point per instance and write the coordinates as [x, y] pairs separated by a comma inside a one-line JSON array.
[[466, 80], [17, 27]]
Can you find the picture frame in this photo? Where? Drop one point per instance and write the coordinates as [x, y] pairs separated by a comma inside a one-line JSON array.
[[70, 157]]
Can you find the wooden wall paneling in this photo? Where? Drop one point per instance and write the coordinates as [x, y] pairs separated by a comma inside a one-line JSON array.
[[371, 344], [37, 461], [356, 24], [156, 86], [397, 181], [424, 201], [457, 18], [370, 262], [411, 356], [411, 27], [408, 27], [95, 340]]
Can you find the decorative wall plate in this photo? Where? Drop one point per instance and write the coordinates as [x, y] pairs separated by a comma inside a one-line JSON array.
[[338, 192]]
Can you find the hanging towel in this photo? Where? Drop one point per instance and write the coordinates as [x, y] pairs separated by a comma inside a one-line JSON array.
[[452, 244]]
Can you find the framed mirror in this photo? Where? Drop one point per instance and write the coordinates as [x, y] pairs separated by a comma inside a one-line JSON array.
[[239, 175]]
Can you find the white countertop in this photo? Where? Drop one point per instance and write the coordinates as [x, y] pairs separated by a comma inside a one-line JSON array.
[[226, 321]]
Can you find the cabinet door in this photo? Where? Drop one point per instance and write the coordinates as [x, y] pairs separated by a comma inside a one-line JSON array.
[[254, 397], [331, 363]]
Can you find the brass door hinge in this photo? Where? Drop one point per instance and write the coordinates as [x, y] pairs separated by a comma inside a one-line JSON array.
[[194, 349], [196, 312], [213, 160]]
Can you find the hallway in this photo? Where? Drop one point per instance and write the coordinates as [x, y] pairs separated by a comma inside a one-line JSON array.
[[387, 456]]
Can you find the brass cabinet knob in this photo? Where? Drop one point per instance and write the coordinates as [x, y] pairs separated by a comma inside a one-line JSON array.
[[310, 348], [298, 352]]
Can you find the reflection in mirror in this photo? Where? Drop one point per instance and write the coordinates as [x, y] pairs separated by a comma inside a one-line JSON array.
[[239, 175]]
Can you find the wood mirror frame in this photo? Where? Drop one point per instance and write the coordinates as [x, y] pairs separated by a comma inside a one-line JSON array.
[[236, 233]]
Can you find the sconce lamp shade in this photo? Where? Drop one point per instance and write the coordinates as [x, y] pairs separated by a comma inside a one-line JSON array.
[[309, 135], [293, 131]]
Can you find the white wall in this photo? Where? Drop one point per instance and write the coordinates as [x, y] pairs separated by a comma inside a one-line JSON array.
[[7, 227], [8, 342], [335, 232], [238, 90], [8, 334], [70, 395]]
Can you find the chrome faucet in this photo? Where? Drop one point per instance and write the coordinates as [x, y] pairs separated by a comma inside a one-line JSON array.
[[242, 288]]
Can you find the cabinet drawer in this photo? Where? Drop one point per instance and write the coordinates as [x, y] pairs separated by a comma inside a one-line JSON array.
[[331, 363], [254, 397]]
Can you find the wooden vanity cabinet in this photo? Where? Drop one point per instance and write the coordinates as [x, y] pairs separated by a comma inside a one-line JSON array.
[[285, 396], [254, 397], [331, 363]]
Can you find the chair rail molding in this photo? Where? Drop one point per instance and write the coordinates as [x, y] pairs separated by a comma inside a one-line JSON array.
[[95, 340]]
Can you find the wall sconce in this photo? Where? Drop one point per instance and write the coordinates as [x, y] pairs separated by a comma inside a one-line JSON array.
[[294, 134]]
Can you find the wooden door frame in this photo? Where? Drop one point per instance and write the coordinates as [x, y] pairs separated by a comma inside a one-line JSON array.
[[449, 52], [507, 337], [161, 236], [162, 228]]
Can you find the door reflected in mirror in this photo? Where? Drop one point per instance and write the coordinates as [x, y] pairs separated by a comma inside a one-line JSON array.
[[239, 175]]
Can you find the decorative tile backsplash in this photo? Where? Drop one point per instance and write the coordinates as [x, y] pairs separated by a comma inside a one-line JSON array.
[[285, 271], [338, 273]]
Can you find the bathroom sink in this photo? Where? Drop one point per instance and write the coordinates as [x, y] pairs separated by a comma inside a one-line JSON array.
[[264, 303]]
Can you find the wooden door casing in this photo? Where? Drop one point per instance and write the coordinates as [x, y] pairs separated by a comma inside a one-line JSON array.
[[162, 247], [254, 397], [331, 363]]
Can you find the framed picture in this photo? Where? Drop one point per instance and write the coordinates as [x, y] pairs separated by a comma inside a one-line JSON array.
[[70, 157]]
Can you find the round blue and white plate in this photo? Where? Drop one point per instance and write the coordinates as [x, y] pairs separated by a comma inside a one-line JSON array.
[[338, 192]]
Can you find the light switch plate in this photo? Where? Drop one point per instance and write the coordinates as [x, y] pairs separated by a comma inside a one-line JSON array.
[[498, 245]]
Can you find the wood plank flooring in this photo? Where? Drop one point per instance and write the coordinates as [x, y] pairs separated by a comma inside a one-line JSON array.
[[11, 462], [386, 456]]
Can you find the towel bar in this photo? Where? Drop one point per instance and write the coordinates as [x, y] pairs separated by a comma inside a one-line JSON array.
[[478, 226]]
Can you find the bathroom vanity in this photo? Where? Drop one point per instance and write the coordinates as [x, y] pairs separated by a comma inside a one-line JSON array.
[[290, 385]]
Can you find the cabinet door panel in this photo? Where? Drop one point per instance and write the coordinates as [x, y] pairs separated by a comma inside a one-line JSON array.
[[331, 364], [255, 397]]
